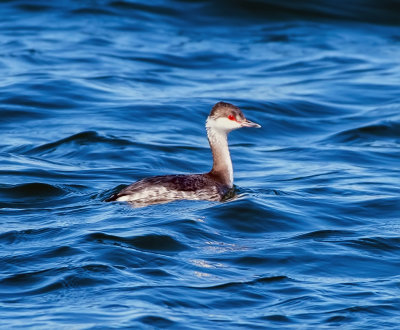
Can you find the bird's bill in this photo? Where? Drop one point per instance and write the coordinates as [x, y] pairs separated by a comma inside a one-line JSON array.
[[248, 123]]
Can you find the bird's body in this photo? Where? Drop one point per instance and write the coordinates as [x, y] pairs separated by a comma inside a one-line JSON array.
[[165, 188], [212, 186]]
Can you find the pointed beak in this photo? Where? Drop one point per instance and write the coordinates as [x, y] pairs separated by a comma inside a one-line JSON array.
[[248, 123]]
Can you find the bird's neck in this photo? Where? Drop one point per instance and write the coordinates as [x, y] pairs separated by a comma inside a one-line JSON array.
[[222, 164]]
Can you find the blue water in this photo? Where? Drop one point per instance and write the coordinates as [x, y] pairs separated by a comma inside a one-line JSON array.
[[97, 94]]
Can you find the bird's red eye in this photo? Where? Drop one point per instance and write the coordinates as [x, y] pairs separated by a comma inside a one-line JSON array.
[[231, 117]]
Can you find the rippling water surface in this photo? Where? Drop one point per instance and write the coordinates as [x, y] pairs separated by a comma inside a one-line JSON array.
[[97, 94]]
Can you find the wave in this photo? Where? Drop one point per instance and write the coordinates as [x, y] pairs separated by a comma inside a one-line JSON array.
[[55, 279], [21, 236], [245, 284], [384, 132], [31, 190], [323, 235], [37, 194], [373, 11], [148, 242], [234, 216], [385, 11], [78, 140]]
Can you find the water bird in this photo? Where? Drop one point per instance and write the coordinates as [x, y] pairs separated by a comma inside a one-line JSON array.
[[213, 186]]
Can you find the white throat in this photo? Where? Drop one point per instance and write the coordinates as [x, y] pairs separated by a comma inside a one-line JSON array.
[[218, 139]]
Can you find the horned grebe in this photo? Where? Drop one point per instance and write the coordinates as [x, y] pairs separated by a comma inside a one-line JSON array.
[[212, 186]]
